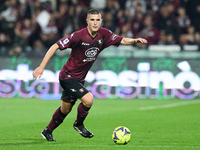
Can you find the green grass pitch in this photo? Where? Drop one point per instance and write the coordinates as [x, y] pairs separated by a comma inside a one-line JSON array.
[[154, 124]]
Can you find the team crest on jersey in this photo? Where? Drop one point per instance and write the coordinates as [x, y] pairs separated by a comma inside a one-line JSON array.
[[100, 41]]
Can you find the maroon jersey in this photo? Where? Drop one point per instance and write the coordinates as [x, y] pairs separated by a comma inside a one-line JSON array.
[[85, 50]]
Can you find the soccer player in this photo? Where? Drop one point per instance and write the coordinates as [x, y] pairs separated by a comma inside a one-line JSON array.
[[86, 45]]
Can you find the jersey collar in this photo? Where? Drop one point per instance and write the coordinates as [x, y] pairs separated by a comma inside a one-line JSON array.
[[91, 35]]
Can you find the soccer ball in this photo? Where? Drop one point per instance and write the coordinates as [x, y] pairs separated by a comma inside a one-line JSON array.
[[121, 135]]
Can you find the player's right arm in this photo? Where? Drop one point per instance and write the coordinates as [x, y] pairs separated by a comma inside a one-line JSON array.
[[37, 73]]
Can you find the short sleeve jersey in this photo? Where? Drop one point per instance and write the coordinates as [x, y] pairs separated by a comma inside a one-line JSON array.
[[85, 50]]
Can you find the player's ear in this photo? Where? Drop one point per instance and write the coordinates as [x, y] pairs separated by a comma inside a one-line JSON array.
[[87, 21], [101, 21]]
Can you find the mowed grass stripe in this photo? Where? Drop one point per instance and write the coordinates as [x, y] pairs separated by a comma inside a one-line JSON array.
[[171, 105]]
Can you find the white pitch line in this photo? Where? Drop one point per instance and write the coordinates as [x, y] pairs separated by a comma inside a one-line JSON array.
[[170, 105]]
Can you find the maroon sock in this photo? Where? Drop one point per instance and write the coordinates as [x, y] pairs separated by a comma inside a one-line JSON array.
[[56, 120], [82, 113]]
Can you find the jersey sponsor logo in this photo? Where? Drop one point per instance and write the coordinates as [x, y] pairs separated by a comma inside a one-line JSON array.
[[91, 52], [65, 41], [83, 43], [88, 59]]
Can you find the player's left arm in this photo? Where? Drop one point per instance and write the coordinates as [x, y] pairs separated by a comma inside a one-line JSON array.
[[131, 41]]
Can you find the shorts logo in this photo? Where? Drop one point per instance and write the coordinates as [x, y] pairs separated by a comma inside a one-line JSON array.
[[81, 90], [91, 52], [73, 90]]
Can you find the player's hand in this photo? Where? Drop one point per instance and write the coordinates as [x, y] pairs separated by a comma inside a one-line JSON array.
[[140, 40], [37, 73]]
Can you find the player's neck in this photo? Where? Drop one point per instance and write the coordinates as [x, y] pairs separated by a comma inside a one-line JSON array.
[[93, 34]]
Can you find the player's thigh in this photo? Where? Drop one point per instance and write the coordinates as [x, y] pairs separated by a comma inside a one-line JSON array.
[[73, 87], [68, 98]]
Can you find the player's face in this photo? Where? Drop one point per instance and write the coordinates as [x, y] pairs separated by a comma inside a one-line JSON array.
[[94, 22]]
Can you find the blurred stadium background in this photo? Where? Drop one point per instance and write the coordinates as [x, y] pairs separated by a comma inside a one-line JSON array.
[[142, 87], [167, 67]]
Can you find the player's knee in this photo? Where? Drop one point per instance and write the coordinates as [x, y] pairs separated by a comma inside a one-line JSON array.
[[88, 102], [67, 111], [66, 108]]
